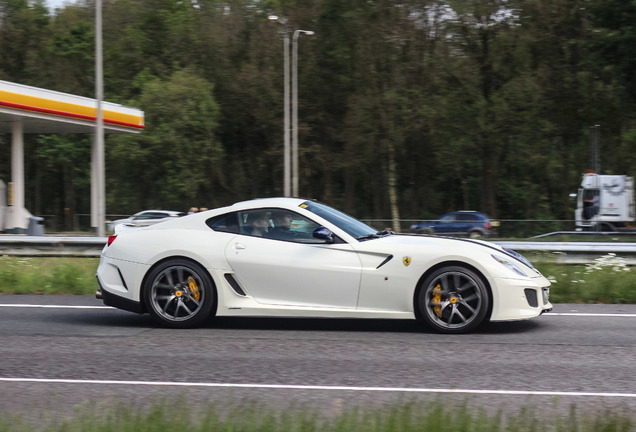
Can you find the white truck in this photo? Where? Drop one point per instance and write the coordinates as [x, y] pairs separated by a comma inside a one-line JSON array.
[[605, 203]]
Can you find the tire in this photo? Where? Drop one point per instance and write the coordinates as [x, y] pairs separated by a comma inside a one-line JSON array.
[[475, 234], [179, 293], [453, 299]]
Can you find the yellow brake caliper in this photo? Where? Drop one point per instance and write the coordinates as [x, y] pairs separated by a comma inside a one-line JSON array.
[[194, 288], [437, 299]]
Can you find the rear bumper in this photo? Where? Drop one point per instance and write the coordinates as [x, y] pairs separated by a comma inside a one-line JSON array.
[[118, 302]]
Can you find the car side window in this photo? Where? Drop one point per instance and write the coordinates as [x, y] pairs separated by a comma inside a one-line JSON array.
[[277, 224], [255, 222], [290, 226], [225, 223], [466, 217]]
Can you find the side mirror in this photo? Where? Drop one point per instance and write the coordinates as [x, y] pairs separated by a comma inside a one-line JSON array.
[[324, 234]]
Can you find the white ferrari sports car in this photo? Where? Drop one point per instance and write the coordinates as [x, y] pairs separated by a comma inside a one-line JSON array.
[[289, 257]]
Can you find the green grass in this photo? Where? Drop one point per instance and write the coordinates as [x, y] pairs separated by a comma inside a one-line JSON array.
[[608, 280], [46, 275], [406, 417]]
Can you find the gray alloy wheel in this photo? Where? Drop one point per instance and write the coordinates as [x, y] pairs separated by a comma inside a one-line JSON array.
[[179, 293], [453, 299]]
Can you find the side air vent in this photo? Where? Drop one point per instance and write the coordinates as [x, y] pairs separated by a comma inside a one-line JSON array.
[[389, 258], [234, 284], [121, 276], [531, 296]]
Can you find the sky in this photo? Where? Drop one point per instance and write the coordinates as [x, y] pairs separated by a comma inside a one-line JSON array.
[[52, 4]]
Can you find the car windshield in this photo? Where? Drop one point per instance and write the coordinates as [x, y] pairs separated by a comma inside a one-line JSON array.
[[348, 224]]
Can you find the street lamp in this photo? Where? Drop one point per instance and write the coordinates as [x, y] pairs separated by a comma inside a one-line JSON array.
[[295, 107], [294, 128], [98, 188], [287, 171]]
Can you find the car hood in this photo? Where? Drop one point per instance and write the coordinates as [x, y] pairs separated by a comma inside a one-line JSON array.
[[413, 244], [430, 240]]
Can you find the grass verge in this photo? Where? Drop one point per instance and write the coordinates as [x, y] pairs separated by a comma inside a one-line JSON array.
[[607, 280], [47, 275], [403, 417]]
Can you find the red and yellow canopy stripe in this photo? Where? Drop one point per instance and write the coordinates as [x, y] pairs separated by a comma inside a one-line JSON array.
[[68, 109]]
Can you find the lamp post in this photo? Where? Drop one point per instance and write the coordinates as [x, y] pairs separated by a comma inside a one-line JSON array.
[[295, 108], [98, 210], [294, 127], [286, 128]]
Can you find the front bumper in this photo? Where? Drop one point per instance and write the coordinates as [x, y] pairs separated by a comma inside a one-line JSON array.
[[516, 299]]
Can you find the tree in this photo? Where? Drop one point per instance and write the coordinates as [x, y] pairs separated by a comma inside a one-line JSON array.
[[177, 161]]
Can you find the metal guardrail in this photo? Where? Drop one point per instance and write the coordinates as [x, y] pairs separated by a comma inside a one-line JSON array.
[[562, 252], [22, 245], [573, 252]]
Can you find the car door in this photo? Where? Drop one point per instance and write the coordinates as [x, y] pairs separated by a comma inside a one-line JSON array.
[[297, 270], [463, 223], [445, 224]]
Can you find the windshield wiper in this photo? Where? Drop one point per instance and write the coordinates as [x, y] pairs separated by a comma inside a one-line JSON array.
[[378, 234]]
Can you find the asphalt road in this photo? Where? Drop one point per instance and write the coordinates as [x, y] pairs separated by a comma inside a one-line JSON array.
[[60, 352]]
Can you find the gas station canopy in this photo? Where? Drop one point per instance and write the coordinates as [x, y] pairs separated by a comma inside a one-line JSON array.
[[47, 111], [25, 109]]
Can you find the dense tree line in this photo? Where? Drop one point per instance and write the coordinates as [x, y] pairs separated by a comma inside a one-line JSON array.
[[407, 108]]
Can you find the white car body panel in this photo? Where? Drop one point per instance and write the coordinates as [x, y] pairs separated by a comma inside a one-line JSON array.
[[286, 273], [376, 278]]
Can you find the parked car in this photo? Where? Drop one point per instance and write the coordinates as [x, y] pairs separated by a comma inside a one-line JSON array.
[[465, 223], [147, 217], [307, 259]]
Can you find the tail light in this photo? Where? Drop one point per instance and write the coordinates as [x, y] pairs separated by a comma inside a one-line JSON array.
[[111, 239], [487, 224]]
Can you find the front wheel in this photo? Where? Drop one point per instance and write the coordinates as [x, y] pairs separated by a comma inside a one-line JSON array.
[[180, 294], [453, 299]]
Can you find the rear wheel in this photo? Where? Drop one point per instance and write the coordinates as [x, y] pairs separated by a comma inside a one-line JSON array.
[[475, 234], [453, 299], [179, 293]]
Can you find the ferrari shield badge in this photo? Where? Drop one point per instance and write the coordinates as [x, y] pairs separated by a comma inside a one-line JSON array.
[[406, 261]]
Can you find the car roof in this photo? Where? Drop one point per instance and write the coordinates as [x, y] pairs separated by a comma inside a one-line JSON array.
[[473, 212], [283, 202], [173, 212], [189, 220]]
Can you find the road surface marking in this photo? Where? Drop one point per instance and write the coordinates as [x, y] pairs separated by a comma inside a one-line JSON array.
[[581, 314], [576, 314], [323, 387], [54, 306]]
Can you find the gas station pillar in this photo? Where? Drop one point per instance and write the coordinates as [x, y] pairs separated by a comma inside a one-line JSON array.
[[17, 219]]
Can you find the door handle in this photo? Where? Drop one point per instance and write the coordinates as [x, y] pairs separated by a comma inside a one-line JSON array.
[[239, 246]]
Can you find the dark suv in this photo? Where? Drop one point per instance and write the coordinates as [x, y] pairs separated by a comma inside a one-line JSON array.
[[460, 223]]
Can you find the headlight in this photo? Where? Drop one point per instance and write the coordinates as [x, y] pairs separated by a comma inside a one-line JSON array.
[[511, 265], [519, 257]]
